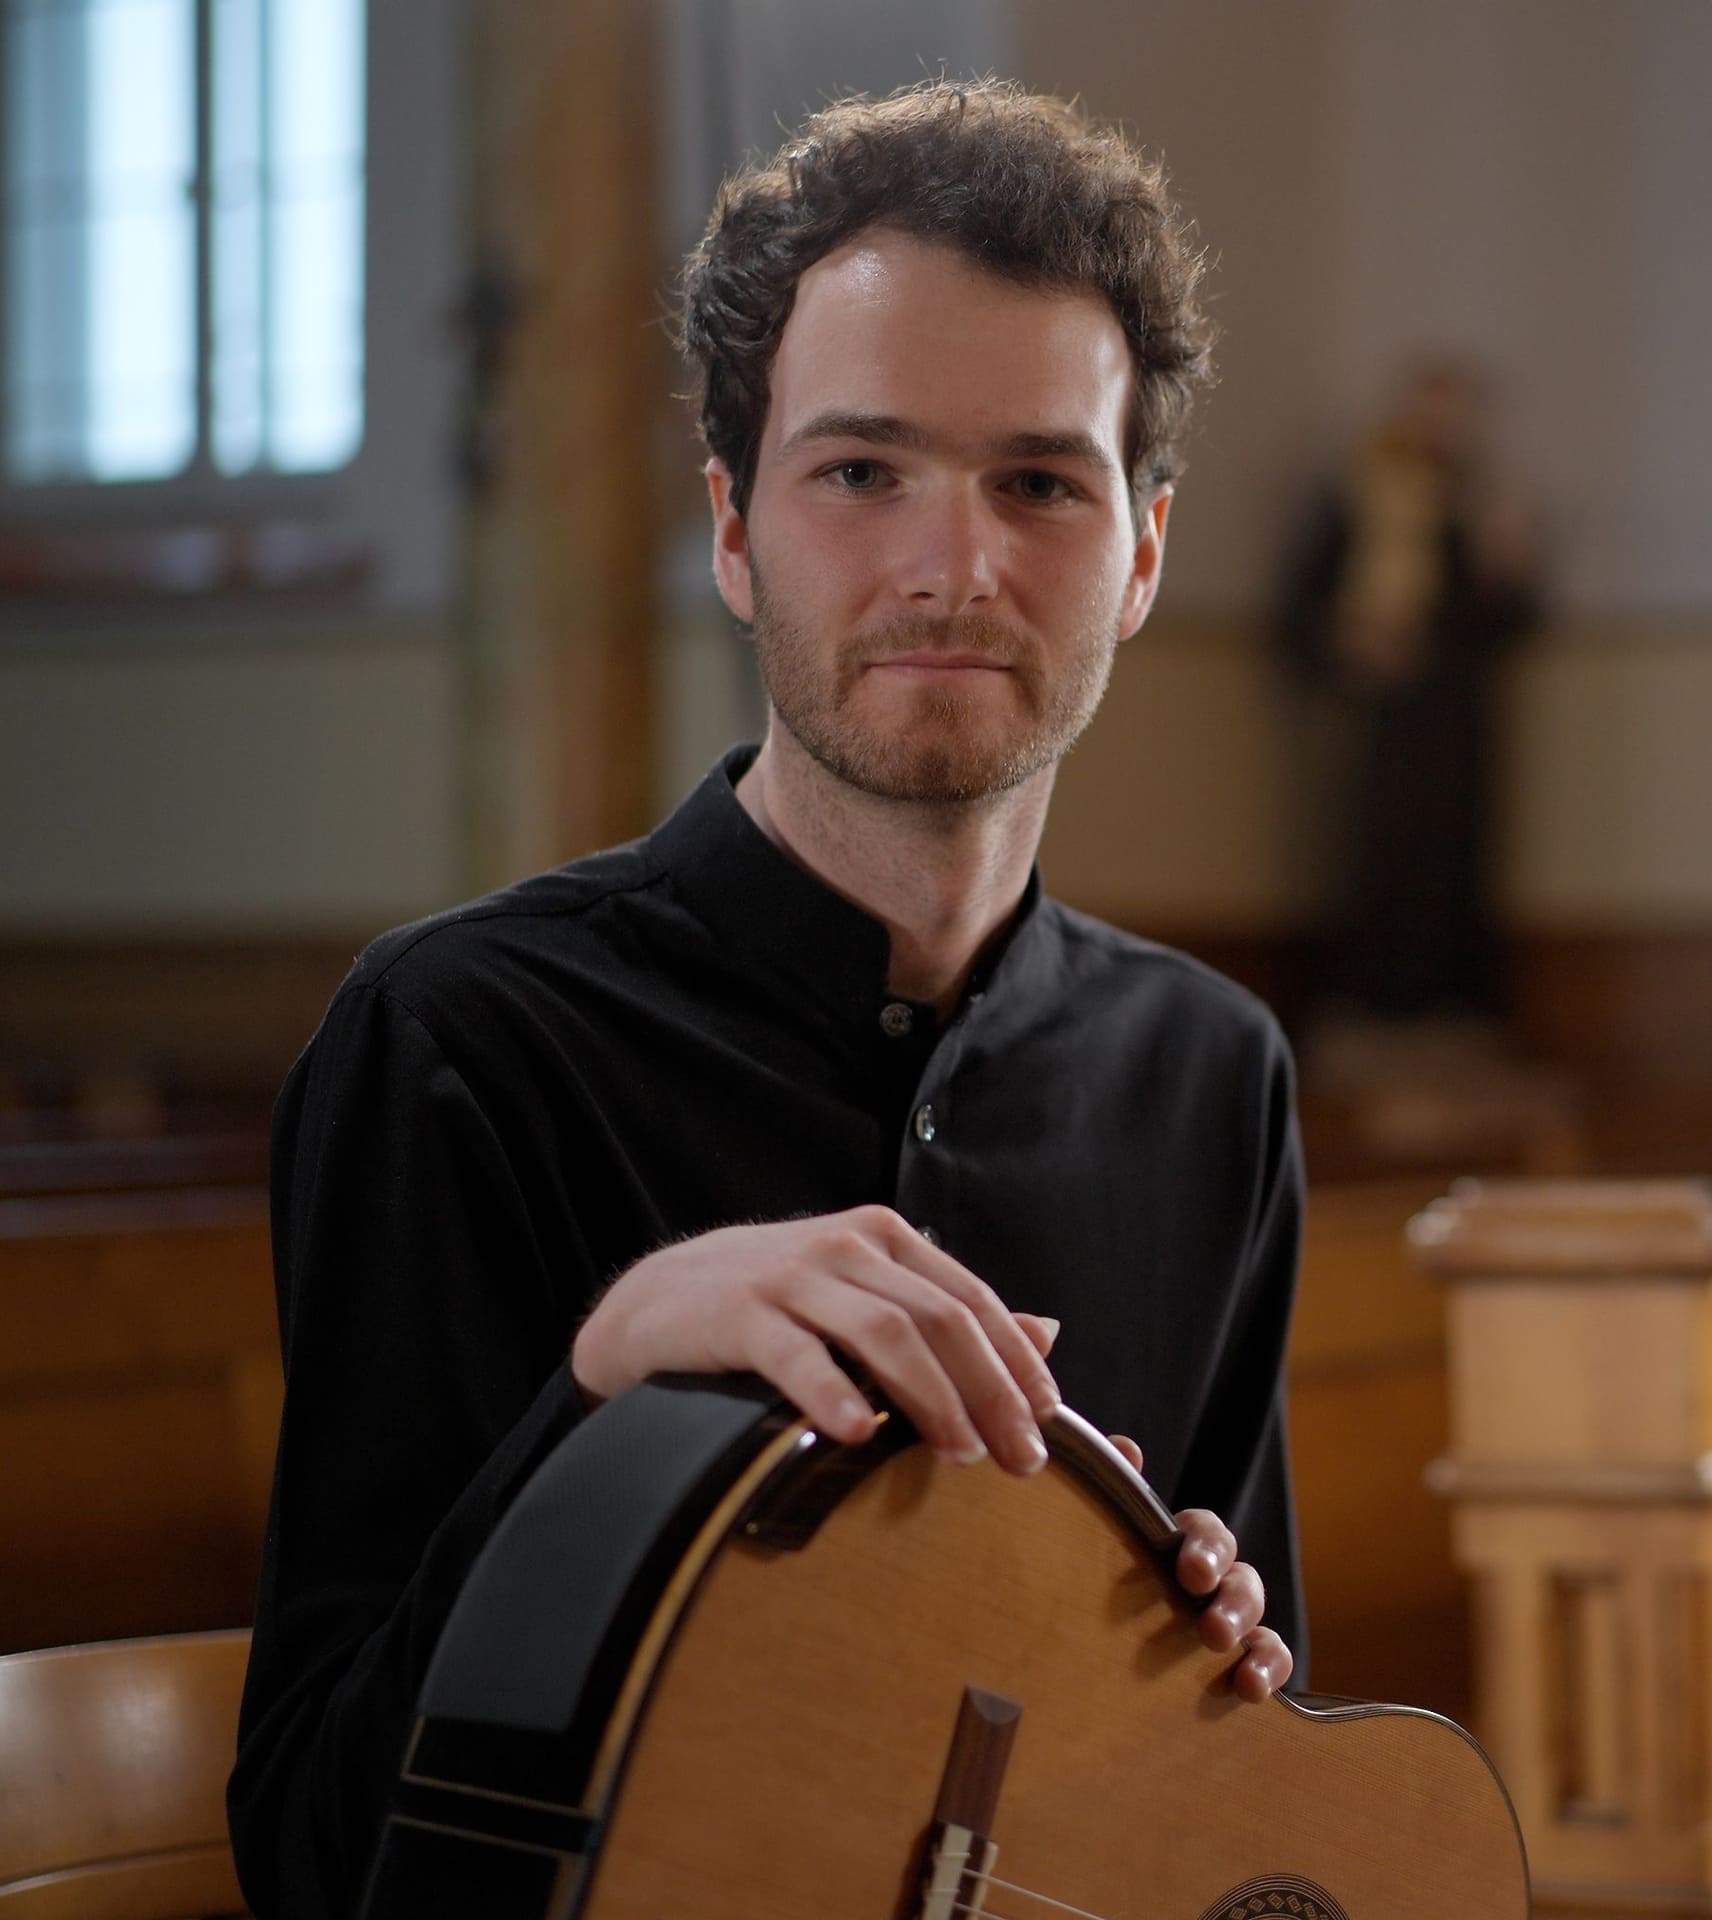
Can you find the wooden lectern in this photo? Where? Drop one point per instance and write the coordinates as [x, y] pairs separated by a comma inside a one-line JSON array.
[[1580, 1471]]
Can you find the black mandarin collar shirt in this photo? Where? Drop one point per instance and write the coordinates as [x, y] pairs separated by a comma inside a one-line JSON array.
[[789, 924], [507, 1105]]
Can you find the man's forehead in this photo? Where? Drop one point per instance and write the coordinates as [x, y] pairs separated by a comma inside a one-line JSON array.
[[926, 346]]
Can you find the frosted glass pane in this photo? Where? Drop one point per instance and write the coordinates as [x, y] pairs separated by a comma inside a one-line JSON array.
[[288, 233], [142, 376], [317, 285], [44, 99], [142, 85], [101, 267], [46, 320], [239, 348], [142, 238], [44, 439], [318, 79]]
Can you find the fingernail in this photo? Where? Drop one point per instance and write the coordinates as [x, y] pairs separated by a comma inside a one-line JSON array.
[[968, 1456], [1034, 1452], [1051, 1327]]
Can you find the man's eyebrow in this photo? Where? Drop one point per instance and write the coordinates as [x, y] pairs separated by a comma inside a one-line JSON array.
[[1057, 446], [888, 430], [874, 429]]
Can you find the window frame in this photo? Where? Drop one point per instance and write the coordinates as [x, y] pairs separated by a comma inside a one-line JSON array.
[[200, 491], [398, 502]]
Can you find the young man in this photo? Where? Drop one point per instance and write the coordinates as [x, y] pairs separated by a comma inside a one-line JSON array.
[[814, 1068]]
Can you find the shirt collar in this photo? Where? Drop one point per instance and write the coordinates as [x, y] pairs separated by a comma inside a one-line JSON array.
[[758, 901]]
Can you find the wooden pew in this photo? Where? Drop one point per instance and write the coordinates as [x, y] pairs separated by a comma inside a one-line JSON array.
[[1387, 1607], [139, 1399], [1579, 1473]]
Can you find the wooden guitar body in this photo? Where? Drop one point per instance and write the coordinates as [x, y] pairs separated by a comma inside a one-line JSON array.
[[808, 1682]]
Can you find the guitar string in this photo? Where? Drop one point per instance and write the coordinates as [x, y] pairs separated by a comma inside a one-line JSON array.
[[992, 1913], [1011, 1886]]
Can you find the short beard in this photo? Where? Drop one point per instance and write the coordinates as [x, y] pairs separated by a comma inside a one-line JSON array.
[[944, 757]]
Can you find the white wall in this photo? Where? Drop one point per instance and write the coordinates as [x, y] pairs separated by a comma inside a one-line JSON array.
[[230, 784], [1526, 180], [1178, 811]]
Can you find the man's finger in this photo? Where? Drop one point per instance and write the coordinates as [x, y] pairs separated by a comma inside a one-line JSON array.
[[1208, 1551], [797, 1362], [1016, 1348], [949, 1361], [1264, 1668], [1127, 1447], [1041, 1330], [1235, 1610], [871, 1326]]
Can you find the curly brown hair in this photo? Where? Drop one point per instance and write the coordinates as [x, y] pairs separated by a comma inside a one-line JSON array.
[[1023, 184]]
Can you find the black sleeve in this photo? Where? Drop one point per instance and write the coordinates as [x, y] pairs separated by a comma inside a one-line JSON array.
[[425, 1350], [1238, 1461]]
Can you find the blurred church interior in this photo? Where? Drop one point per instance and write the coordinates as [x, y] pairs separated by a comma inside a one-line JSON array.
[[365, 567]]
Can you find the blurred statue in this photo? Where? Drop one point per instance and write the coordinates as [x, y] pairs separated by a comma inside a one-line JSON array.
[[1406, 584]]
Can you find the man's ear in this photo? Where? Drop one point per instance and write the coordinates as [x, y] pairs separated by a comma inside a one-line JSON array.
[[1149, 558], [730, 543]]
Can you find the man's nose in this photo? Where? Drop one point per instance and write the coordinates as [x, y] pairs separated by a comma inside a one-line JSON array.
[[949, 558]]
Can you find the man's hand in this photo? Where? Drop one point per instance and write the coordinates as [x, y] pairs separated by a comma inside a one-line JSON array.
[[1207, 1564], [773, 1299]]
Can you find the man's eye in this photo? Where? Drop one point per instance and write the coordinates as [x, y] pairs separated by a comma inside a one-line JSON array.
[[1040, 486], [857, 476]]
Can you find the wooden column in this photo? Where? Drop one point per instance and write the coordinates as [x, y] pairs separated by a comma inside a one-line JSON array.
[[570, 386], [1580, 1471]]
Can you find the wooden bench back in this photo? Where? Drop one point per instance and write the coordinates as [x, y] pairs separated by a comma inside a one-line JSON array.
[[113, 1766]]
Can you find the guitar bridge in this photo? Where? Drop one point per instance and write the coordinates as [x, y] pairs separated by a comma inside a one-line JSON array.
[[958, 1872], [957, 1863]]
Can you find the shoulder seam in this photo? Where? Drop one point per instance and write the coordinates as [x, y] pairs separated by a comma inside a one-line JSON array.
[[443, 923], [1089, 930]]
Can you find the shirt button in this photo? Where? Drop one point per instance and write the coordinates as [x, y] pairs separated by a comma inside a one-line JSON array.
[[896, 1019], [928, 1234], [923, 1123]]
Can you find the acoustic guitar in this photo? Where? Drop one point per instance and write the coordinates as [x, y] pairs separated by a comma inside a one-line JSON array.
[[712, 1666]]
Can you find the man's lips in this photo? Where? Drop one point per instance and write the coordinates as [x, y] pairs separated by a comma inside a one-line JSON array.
[[930, 662]]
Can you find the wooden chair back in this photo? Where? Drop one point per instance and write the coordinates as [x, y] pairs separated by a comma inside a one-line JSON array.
[[113, 1765]]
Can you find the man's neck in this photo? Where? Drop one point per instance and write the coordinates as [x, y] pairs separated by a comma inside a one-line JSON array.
[[943, 878]]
